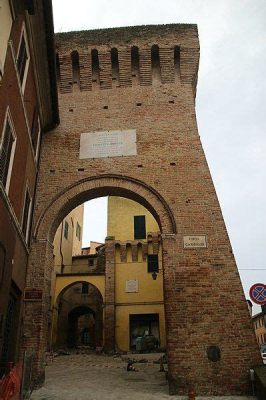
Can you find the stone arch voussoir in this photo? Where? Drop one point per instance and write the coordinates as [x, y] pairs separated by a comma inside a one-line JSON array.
[[93, 187]]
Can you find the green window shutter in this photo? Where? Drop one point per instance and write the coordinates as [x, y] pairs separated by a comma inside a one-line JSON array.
[[66, 230], [152, 261], [139, 227]]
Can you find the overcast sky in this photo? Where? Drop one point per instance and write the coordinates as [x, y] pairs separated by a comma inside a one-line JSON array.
[[231, 106]]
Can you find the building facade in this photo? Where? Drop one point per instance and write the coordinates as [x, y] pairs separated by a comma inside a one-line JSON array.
[[259, 323], [28, 107], [128, 128], [139, 299], [138, 288]]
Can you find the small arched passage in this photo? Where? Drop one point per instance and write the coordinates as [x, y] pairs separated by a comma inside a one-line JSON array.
[[78, 316], [78, 333]]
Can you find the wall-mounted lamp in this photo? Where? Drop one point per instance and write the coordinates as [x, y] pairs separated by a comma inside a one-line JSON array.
[[154, 276]]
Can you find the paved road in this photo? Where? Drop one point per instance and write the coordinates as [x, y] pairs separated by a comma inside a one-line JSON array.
[[101, 377]]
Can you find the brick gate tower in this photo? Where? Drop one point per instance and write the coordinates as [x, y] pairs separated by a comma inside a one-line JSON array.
[[128, 128]]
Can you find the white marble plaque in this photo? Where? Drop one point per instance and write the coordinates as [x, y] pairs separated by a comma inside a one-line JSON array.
[[108, 144], [132, 286], [194, 241]]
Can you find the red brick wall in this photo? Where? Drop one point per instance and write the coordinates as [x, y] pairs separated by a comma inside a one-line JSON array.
[[204, 300], [23, 172]]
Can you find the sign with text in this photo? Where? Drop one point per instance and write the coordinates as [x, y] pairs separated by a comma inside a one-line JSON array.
[[32, 295], [108, 144], [194, 241], [132, 286]]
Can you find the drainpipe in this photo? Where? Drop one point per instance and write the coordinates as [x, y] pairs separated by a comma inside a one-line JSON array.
[[61, 253]]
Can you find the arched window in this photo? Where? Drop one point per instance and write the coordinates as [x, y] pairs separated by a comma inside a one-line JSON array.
[[75, 66], [155, 63], [95, 67], [177, 62], [115, 65], [135, 64], [129, 252]]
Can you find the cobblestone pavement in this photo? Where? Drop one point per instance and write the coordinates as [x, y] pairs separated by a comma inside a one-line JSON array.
[[99, 377]]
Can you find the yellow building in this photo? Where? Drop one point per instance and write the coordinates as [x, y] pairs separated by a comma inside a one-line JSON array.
[[68, 240], [67, 243], [80, 294], [139, 302], [259, 321]]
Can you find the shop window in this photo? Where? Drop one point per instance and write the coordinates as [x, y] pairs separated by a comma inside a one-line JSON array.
[[152, 262], [139, 227], [23, 60], [7, 151], [66, 228], [26, 216], [144, 332]]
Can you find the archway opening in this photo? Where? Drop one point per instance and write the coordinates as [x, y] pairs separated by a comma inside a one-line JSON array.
[[78, 316], [125, 264]]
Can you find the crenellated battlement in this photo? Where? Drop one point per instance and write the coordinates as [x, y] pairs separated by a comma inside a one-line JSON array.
[[137, 250], [126, 57]]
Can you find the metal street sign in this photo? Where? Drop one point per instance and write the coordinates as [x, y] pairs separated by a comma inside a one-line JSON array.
[[257, 293]]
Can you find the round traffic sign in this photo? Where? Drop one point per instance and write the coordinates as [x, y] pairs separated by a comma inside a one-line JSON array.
[[257, 293]]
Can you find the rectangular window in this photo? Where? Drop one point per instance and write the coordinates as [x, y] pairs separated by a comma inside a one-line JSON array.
[[7, 150], [85, 288], [153, 264], [78, 231], [66, 230], [23, 60], [35, 132], [139, 227], [26, 216]]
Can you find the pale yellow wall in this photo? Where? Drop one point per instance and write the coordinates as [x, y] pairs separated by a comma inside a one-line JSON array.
[[5, 28], [68, 246], [120, 218], [149, 290], [71, 246], [77, 216]]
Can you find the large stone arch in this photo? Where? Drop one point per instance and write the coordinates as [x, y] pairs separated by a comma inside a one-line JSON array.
[[48, 217], [98, 186]]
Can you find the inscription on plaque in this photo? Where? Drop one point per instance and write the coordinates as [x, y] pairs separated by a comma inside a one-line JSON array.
[[132, 286], [194, 241], [33, 295], [108, 144]]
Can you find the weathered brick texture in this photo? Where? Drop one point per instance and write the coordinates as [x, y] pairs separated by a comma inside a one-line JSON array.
[[169, 175]]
